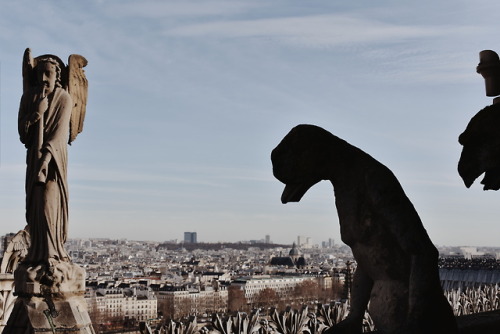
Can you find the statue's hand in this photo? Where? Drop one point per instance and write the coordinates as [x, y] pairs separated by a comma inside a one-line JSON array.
[[34, 117], [43, 105], [43, 172]]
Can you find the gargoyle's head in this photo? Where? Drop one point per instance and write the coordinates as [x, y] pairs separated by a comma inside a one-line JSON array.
[[481, 149], [299, 161]]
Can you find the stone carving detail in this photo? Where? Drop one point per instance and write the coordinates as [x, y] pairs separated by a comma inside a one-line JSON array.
[[49, 286], [51, 114], [16, 251], [7, 298], [481, 139], [397, 273]]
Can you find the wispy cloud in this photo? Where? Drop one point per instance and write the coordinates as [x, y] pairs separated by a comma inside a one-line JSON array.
[[207, 176], [169, 9], [315, 30]]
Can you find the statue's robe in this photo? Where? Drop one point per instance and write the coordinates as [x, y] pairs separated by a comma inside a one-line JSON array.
[[46, 203]]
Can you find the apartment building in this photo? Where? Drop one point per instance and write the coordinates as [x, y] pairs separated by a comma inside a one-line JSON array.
[[129, 304], [178, 301], [282, 285]]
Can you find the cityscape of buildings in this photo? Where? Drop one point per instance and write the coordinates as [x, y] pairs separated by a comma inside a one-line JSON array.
[[135, 281], [140, 280]]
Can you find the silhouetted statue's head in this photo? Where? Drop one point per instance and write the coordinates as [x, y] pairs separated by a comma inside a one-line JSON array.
[[301, 158], [481, 149]]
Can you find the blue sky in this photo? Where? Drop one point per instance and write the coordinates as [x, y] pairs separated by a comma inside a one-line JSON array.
[[188, 98]]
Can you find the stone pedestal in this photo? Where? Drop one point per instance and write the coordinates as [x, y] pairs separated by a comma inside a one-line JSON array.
[[50, 300], [36, 315]]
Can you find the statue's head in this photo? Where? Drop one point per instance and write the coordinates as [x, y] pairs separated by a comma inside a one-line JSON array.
[[481, 149], [300, 160], [48, 71], [489, 68]]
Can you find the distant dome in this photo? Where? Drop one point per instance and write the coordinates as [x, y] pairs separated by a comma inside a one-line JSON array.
[[294, 251], [294, 259]]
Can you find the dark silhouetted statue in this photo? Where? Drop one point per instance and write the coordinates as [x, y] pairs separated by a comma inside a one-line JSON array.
[[397, 272], [481, 138]]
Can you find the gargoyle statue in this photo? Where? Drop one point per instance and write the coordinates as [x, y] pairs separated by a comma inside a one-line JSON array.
[[397, 273]]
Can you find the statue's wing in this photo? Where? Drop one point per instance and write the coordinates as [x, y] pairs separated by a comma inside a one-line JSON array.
[[77, 87], [29, 77], [16, 251]]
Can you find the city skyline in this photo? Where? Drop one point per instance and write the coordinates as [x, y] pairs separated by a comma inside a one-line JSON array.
[[188, 98]]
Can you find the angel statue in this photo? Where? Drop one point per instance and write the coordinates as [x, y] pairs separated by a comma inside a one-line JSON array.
[[51, 115]]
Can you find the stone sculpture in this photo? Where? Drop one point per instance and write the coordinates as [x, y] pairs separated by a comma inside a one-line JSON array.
[[481, 139], [397, 273], [16, 251], [51, 113]]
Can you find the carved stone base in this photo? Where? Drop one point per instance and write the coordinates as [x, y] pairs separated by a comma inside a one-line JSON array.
[[50, 299], [61, 279], [34, 315]]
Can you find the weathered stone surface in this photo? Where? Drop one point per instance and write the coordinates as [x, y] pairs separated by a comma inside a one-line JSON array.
[[7, 298], [58, 316], [61, 279], [397, 262], [53, 96], [50, 287], [16, 251]]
